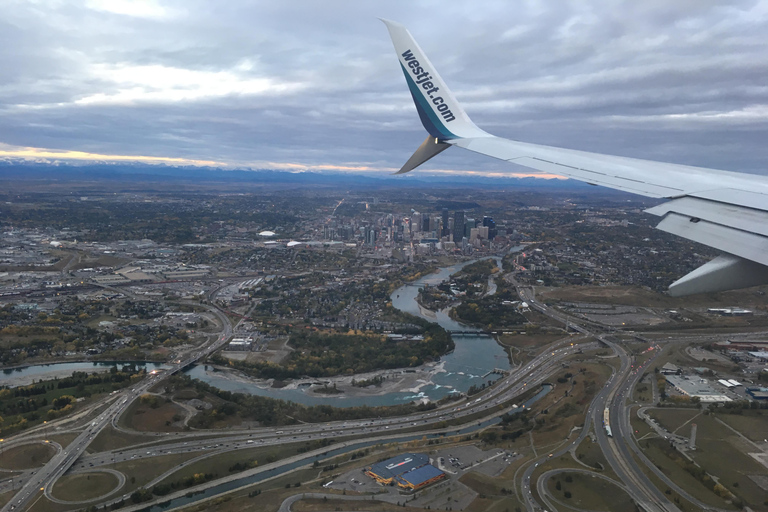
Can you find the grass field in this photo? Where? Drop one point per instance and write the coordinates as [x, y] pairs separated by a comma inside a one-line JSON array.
[[568, 412], [752, 424], [590, 454], [491, 487], [674, 419], [588, 493], [220, 464], [655, 450], [640, 427], [6, 497], [636, 296], [143, 418], [63, 439], [26, 456], [84, 486], [111, 439], [139, 472], [733, 468], [724, 454]]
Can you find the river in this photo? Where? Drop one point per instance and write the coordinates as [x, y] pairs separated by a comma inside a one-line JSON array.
[[473, 357]]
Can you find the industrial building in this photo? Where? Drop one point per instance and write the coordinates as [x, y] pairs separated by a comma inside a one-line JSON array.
[[696, 387], [410, 471], [758, 393]]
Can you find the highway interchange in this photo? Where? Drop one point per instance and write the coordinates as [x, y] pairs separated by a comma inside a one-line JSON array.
[[619, 450]]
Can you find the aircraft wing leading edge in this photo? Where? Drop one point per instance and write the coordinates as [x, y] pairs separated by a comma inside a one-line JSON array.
[[724, 210]]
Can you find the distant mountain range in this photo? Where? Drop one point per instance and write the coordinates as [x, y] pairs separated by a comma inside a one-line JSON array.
[[137, 172]]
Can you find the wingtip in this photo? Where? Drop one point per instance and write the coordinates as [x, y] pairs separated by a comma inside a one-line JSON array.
[[393, 26]]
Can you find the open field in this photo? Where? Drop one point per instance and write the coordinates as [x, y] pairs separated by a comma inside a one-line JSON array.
[[636, 296], [6, 497], [656, 450], [111, 439], [139, 472], [144, 418], [220, 464], [84, 486], [487, 486], [734, 469], [564, 461], [724, 454], [640, 427], [27, 456], [674, 419], [588, 493], [752, 424], [590, 454], [564, 413], [63, 439]]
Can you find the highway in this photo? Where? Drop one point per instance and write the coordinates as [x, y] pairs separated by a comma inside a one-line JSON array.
[[615, 449], [493, 401], [45, 478]]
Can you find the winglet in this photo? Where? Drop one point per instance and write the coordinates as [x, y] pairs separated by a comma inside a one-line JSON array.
[[440, 113], [429, 148]]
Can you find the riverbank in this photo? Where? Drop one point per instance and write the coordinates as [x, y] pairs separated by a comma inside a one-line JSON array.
[[26, 380], [400, 380], [25, 375]]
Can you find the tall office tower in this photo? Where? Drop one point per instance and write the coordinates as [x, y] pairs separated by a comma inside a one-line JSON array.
[[425, 224], [370, 235], [415, 222], [458, 226], [468, 227], [491, 225], [445, 231]]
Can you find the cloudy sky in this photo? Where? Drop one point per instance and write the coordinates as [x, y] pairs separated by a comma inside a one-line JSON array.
[[316, 85]]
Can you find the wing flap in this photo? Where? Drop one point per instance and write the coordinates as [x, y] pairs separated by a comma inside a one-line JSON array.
[[732, 216], [751, 246]]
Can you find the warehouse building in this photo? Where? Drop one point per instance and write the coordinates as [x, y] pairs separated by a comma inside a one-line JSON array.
[[758, 393], [410, 471], [696, 387]]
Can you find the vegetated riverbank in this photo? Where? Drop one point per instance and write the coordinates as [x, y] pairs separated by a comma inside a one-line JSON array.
[[370, 384], [450, 376]]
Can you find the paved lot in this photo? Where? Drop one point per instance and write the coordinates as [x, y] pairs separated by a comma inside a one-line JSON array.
[[457, 460], [447, 494]]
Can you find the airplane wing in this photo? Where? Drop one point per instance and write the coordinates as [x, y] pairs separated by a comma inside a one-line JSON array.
[[724, 210]]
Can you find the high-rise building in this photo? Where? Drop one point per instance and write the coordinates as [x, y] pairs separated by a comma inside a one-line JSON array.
[[491, 225], [470, 223], [425, 224], [445, 231], [415, 222], [370, 235], [458, 226]]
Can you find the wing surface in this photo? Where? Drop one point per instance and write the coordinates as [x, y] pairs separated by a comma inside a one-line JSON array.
[[722, 209]]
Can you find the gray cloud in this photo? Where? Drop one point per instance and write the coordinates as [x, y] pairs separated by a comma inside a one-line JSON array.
[[317, 83]]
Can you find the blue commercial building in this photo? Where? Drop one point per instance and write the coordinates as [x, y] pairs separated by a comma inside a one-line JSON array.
[[410, 471]]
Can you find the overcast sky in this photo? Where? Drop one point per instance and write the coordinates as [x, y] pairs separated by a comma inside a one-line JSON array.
[[316, 84]]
